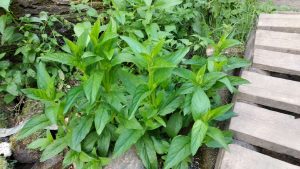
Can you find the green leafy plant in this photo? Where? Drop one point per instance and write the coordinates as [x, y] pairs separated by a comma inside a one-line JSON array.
[[140, 94]]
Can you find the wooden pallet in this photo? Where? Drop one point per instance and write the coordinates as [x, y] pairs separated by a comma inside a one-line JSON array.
[[267, 106]]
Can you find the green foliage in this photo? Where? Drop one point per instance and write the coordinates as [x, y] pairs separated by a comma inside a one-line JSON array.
[[136, 77]]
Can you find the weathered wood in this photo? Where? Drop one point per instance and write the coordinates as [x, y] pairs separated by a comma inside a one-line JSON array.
[[279, 22], [242, 158], [268, 129], [277, 61], [271, 91], [278, 41]]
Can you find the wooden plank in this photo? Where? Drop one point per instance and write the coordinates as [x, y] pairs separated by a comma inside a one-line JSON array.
[[279, 22], [278, 41], [242, 158], [268, 129], [271, 91], [277, 61]]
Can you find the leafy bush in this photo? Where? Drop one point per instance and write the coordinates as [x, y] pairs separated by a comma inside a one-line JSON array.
[[140, 79]]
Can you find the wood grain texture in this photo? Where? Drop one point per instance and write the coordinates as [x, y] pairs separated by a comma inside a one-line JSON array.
[[242, 158], [278, 41], [271, 91], [268, 129], [279, 22], [277, 61]]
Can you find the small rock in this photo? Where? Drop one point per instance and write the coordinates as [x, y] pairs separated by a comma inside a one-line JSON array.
[[5, 149], [20, 151], [53, 163], [129, 160]]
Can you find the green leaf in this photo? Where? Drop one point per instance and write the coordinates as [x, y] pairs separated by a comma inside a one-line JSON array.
[[161, 146], [63, 58], [200, 103], [71, 97], [226, 116], [126, 140], [135, 46], [80, 132], [227, 83], [146, 151], [80, 28], [89, 142], [178, 151], [198, 134], [3, 20], [217, 135], [36, 123], [12, 88], [211, 78], [217, 112], [5, 4], [53, 149], [130, 124], [174, 124], [176, 57], [236, 62], [102, 117], [211, 143], [37, 94], [235, 80], [185, 73], [41, 143], [92, 86], [148, 2], [44, 81], [104, 142], [140, 94], [200, 74], [69, 158], [51, 111], [166, 4]]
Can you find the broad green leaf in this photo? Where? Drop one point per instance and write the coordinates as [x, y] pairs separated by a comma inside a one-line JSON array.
[[80, 28], [89, 142], [200, 74], [63, 58], [146, 151], [69, 158], [140, 94], [5, 4], [12, 88], [44, 81], [37, 94], [135, 46], [40, 143], [198, 134], [80, 132], [92, 86], [53, 149], [71, 97], [211, 78], [36, 123], [131, 124], [52, 111], [95, 32], [127, 138], [178, 151], [176, 57], [185, 73], [161, 146], [174, 124], [157, 48], [211, 143], [217, 112], [236, 62], [148, 2], [102, 117], [141, 62], [200, 103], [217, 135], [227, 83], [235, 80], [166, 4], [3, 20], [226, 116], [104, 142]]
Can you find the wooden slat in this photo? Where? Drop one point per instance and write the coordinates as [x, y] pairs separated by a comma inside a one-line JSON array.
[[277, 61], [279, 22], [242, 158], [278, 41], [271, 91], [268, 129]]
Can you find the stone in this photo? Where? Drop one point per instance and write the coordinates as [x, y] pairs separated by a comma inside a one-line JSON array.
[[5, 149], [53, 163], [20, 151], [129, 160]]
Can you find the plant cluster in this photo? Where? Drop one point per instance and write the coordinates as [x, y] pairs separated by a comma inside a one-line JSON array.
[[139, 79]]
